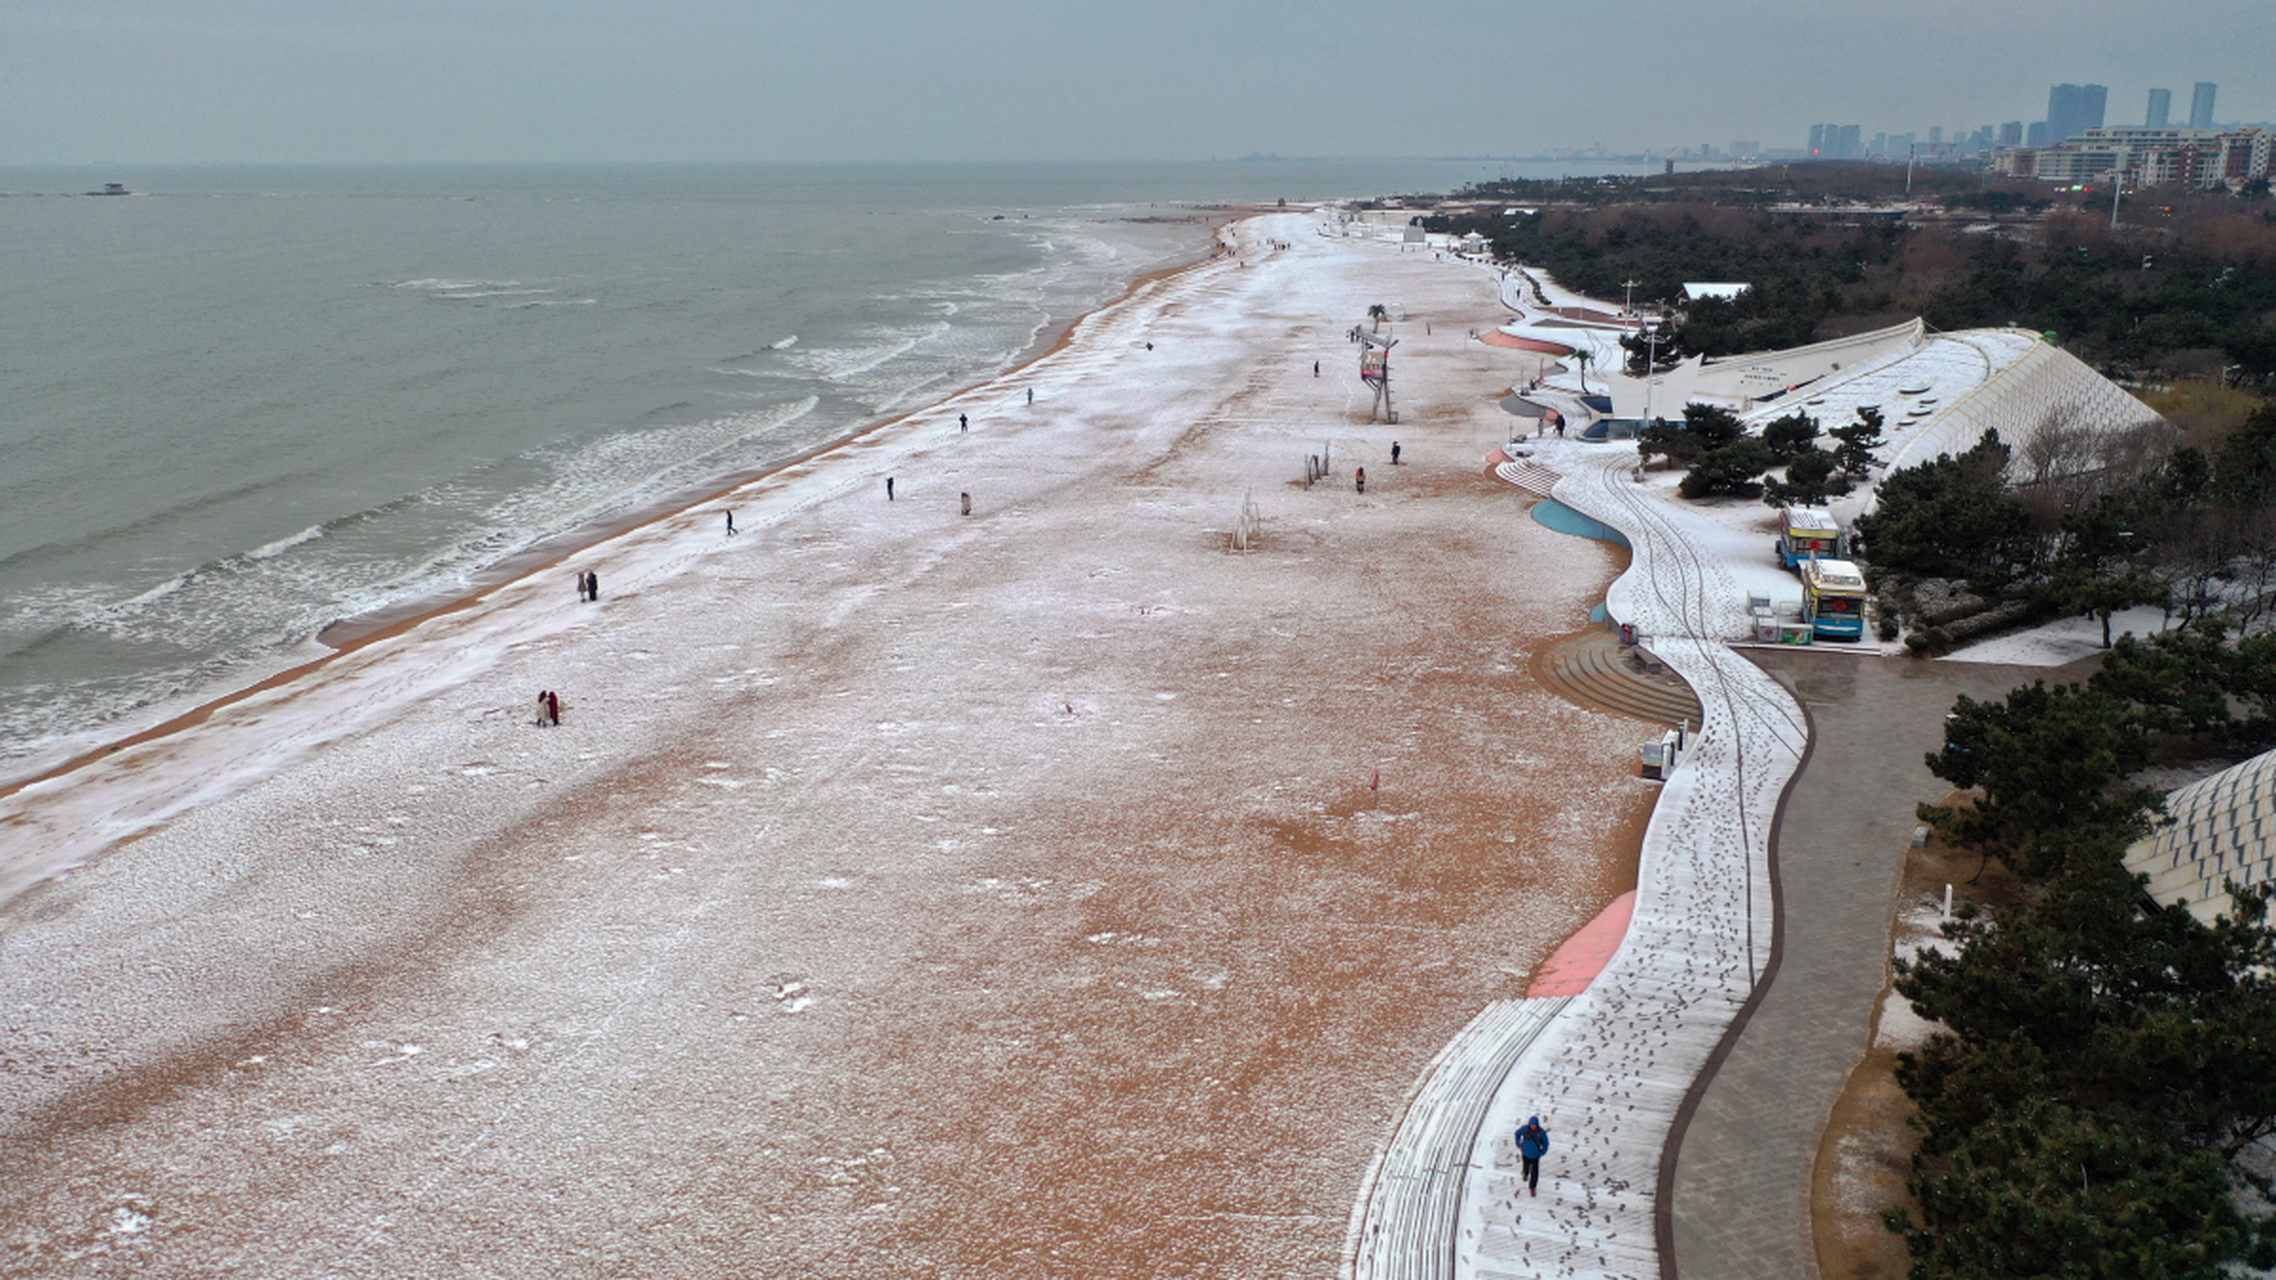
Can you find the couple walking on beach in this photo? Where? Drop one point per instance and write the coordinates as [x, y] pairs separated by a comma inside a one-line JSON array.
[[549, 708], [589, 584]]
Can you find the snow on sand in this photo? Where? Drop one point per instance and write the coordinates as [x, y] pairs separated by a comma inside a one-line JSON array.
[[905, 892]]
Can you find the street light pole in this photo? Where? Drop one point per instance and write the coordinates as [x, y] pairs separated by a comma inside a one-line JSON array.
[[1651, 364], [1628, 307]]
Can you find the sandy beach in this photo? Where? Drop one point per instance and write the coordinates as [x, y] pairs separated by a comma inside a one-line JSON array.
[[1045, 891]]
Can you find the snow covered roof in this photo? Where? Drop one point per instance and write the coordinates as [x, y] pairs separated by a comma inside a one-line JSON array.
[[2223, 829], [1811, 520]]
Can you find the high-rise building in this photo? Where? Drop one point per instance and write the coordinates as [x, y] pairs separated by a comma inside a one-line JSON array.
[[2036, 135], [1879, 146], [2161, 109], [2201, 105], [1817, 139], [2011, 134], [1936, 135], [2073, 109], [1851, 145], [1746, 147]]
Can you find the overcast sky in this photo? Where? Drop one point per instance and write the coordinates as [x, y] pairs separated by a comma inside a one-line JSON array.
[[158, 81]]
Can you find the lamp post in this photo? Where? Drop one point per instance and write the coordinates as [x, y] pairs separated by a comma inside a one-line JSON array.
[[1628, 305], [1651, 363]]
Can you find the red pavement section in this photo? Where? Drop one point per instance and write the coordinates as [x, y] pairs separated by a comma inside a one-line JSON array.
[[1584, 955], [1496, 338]]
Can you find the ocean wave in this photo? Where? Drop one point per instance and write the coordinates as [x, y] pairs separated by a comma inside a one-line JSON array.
[[439, 284], [784, 345], [271, 551], [159, 592], [836, 364]]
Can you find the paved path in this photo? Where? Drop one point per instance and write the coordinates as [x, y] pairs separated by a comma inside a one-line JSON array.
[[1610, 1069], [1741, 1201]]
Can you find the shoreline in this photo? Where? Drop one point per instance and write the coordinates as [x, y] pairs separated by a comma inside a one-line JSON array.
[[1101, 855], [350, 634]]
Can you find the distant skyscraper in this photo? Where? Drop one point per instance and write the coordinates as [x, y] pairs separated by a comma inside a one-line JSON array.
[[2072, 109], [1817, 139], [2036, 136], [2161, 109], [1850, 146], [2201, 106], [1936, 135], [2011, 134]]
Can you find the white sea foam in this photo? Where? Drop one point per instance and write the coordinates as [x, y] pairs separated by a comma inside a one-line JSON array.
[[159, 592], [840, 363], [272, 550], [437, 284], [784, 345]]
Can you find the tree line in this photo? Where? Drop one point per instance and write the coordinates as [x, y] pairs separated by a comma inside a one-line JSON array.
[[2185, 286], [2096, 1098]]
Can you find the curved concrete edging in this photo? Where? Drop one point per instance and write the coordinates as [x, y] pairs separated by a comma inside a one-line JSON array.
[[1663, 1212], [1614, 1069]]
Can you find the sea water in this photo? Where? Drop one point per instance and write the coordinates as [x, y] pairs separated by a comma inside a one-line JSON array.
[[243, 404]]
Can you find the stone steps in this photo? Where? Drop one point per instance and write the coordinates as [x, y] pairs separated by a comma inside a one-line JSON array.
[[1592, 669], [1414, 1197], [1529, 475]]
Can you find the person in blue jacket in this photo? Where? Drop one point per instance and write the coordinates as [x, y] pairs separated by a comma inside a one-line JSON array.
[[1532, 1144]]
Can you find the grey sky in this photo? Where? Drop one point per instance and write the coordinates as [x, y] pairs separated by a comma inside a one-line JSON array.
[[146, 81]]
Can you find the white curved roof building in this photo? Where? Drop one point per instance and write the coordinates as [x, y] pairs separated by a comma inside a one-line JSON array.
[[2223, 828]]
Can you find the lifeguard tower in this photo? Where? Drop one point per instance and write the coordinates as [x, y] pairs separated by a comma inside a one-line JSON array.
[[1375, 371]]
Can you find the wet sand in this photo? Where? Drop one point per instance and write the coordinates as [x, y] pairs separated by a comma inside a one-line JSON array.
[[904, 892]]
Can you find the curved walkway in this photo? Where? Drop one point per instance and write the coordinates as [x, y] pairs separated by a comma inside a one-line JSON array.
[[1741, 1203], [1612, 1068]]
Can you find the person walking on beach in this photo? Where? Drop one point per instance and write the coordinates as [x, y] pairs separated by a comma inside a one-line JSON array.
[[1360, 476], [962, 423], [1532, 1144], [544, 710], [553, 706], [967, 503], [730, 524], [1315, 368], [1031, 395], [889, 488], [593, 586], [1394, 453]]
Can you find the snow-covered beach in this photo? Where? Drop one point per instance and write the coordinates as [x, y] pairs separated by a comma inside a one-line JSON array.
[[1046, 889]]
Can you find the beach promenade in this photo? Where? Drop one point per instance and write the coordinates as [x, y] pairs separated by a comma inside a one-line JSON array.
[[1610, 1069], [1047, 890], [1742, 1185]]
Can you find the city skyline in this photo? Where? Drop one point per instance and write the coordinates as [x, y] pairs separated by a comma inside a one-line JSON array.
[[261, 81]]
